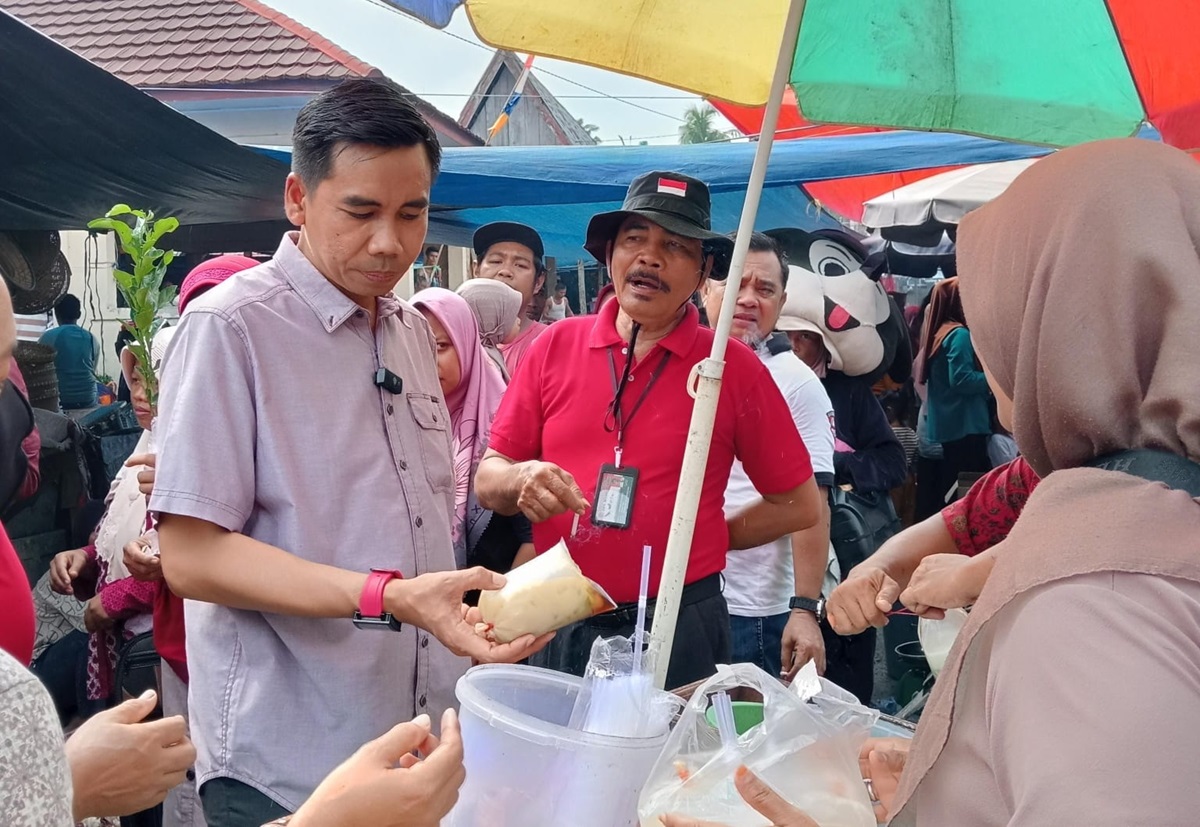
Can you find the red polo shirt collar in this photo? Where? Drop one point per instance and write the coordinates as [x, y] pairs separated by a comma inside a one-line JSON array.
[[679, 341]]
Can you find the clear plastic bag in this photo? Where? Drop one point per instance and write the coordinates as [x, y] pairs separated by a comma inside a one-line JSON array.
[[543, 595], [618, 695], [806, 749]]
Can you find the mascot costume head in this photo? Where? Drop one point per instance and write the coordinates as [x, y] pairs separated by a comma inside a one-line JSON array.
[[834, 290]]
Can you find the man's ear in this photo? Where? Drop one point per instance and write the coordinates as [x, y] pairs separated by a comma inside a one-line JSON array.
[[539, 282], [294, 199], [475, 268]]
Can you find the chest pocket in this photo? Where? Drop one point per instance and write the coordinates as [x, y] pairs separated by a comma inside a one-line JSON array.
[[433, 435]]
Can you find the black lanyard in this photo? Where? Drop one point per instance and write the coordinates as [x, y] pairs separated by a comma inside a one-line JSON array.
[[619, 420]]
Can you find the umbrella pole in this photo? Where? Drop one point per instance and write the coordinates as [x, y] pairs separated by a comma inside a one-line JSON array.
[[707, 375]]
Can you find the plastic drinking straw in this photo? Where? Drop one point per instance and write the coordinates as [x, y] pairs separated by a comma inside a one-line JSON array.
[[725, 723], [639, 631], [575, 524]]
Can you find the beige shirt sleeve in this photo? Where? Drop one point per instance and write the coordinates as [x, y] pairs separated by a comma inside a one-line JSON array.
[[35, 784], [1092, 708]]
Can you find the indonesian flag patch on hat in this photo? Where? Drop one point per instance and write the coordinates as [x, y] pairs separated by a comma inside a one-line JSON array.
[[669, 186]]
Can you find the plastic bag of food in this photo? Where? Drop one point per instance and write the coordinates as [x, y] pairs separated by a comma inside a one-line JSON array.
[[547, 593], [805, 749]]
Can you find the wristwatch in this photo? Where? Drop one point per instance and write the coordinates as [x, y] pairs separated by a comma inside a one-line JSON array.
[[807, 604], [370, 614]]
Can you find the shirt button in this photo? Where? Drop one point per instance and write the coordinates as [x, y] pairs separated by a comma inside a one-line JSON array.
[[418, 522], [403, 465], [421, 701], [390, 410], [624, 351], [424, 643], [358, 314]]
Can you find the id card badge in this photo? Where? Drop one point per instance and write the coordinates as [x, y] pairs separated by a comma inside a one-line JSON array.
[[615, 490]]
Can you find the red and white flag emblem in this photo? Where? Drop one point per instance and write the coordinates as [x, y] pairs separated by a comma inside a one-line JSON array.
[[666, 185]]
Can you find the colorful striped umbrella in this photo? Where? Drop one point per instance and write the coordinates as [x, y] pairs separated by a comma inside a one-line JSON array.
[[1056, 73]]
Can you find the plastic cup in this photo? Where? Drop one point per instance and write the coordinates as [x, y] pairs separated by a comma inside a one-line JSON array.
[[746, 716]]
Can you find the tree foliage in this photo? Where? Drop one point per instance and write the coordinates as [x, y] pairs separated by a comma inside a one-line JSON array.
[[698, 128], [138, 234]]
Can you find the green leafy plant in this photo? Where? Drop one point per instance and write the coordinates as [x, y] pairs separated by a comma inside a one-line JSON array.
[[138, 233]]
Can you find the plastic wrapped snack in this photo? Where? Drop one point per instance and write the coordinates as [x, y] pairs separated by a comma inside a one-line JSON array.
[[547, 593], [806, 749]]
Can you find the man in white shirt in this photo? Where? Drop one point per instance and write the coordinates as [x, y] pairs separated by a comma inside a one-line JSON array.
[[775, 592]]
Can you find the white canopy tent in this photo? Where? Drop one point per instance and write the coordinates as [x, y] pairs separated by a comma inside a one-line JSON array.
[[942, 199]]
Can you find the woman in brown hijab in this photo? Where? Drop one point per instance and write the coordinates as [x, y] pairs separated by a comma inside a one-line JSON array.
[[1072, 696]]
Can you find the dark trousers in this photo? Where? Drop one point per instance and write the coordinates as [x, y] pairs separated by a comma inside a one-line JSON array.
[[759, 640], [850, 661], [62, 669], [929, 479], [701, 636], [965, 455], [229, 803]]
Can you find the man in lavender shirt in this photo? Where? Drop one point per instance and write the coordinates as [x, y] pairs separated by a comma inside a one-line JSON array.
[[290, 467]]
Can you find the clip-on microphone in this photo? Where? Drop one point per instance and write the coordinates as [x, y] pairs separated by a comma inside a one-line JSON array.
[[389, 381]]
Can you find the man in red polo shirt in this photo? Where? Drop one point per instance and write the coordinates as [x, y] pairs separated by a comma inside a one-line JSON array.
[[610, 422]]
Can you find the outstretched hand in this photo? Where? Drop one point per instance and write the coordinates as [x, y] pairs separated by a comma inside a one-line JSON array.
[[765, 801]]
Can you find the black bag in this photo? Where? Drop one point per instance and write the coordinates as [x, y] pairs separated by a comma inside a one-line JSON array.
[[1171, 470], [137, 670], [859, 524], [16, 422]]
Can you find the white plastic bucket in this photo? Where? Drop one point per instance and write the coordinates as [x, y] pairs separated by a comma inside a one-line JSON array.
[[526, 769]]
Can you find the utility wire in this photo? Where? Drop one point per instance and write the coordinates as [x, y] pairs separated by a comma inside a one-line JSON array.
[[541, 69]]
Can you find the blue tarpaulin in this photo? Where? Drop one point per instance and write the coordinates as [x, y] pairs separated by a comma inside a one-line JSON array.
[[434, 12], [557, 189]]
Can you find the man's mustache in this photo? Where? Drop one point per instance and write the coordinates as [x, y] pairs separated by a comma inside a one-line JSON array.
[[647, 276]]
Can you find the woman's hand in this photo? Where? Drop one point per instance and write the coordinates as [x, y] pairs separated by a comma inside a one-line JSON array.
[[385, 784], [65, 568], [121, 764], [946, 581], [95, 619], [142, 565], [881, 761], [765, 801], [863, 600], [145, 477]]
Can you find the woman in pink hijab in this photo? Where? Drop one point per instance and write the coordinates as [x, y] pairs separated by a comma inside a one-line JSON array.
[[472, 390]]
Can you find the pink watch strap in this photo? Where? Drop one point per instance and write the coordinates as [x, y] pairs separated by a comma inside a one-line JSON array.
[[371, 602]]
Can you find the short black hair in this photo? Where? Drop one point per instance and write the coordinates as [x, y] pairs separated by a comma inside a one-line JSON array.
[[124, 337], [360, 111], [68, 309], [437, 248], [763, 243]]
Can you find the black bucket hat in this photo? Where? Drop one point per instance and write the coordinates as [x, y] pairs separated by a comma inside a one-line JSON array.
[[678, 203], [499, 231]]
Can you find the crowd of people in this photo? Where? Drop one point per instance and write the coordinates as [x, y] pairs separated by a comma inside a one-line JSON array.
[[309, 562]]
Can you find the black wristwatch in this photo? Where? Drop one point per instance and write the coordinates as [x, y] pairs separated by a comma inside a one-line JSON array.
[[807, 604]]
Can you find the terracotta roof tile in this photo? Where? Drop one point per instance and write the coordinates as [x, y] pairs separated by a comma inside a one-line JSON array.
[[244, 41]]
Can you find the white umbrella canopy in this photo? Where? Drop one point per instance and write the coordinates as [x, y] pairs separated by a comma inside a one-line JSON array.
[[942, 199]]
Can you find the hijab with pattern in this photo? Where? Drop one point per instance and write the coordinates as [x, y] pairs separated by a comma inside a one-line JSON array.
[[472, 408]]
